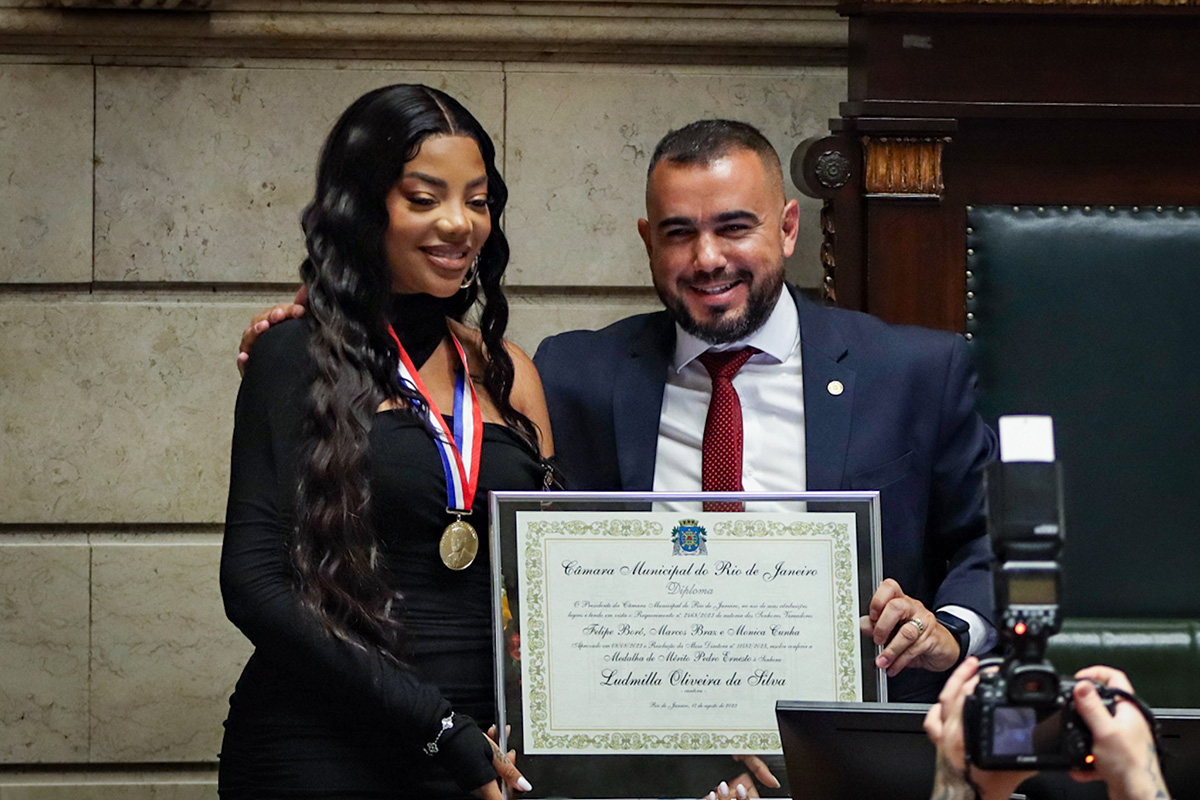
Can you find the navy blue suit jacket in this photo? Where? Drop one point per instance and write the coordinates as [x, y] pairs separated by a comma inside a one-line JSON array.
[[905, 425]]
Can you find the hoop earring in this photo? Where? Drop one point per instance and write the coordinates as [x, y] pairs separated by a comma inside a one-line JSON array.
[[472, 275]]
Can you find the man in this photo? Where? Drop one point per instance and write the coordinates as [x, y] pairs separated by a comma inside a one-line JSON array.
[[831, 400], [835, 399]]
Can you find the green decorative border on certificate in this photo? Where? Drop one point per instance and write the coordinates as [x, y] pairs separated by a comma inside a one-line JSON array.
[[533, 640]]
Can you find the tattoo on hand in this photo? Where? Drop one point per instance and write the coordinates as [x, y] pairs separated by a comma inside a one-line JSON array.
[[1156, 778], [949, 783]]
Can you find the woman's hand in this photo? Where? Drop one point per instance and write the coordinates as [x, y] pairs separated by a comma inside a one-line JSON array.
[[953, 778], [506, 770], [741, 788], [756, 768], [744, 786]]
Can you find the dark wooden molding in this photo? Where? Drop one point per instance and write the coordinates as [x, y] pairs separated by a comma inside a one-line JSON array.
[[1043, 4]]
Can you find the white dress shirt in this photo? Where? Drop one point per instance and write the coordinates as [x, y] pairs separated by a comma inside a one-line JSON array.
[[771, 389]]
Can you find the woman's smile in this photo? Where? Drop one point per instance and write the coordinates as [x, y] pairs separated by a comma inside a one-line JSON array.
[[453, 257]]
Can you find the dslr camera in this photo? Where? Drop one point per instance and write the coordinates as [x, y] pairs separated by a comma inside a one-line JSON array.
[[1022, 714]]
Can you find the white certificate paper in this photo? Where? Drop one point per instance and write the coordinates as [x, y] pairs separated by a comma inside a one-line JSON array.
[[650, 632]]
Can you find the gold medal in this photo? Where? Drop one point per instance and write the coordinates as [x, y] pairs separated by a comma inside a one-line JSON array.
[[459, 448], [459, 545]]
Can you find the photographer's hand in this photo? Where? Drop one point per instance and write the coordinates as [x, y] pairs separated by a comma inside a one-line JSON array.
[[917, 638], [1121, 742], [954, 779]]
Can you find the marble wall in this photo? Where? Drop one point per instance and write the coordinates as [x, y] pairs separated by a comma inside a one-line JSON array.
[[147, 208]]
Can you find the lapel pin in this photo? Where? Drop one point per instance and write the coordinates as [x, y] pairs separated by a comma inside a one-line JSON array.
[[835, 388]]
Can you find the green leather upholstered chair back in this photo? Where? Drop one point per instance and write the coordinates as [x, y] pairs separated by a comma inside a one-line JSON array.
[[1092, 315]]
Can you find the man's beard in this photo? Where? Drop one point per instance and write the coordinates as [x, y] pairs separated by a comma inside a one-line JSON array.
[[760, 302]]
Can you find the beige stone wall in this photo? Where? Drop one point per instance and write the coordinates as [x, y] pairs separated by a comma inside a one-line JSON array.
[[148, 205]]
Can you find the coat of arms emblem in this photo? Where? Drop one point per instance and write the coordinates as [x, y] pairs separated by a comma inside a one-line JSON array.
[[689, 537]]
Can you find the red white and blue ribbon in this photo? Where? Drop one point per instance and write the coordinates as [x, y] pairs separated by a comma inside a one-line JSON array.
[[459, 449]]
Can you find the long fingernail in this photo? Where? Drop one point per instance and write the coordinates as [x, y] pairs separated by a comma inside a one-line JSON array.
[[741, 790], [723, 787], [712, 796], [524, 785]]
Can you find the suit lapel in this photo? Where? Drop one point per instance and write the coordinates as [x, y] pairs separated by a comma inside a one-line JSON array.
[[637, 401], [827, 413]]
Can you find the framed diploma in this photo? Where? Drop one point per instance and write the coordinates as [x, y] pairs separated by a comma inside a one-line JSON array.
[[655, 637]]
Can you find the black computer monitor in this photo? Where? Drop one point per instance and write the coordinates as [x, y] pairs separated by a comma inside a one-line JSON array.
[[852, 751]]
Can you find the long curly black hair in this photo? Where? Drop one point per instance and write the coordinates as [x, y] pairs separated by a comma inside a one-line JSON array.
[[336, 550]]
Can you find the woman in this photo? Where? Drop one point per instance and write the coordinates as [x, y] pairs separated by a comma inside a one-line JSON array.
[[368, 602]]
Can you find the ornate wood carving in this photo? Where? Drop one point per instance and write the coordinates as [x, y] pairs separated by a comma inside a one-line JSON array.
[[822, 165], [828, 257], [832, 169], [904, 166]]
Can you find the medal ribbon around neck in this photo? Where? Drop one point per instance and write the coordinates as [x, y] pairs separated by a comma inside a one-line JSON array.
[[459, 450]]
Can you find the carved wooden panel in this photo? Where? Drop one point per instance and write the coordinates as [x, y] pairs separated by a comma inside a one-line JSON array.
[[904, 165]]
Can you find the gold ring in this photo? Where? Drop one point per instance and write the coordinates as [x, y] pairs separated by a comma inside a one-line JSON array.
[[920, 625]]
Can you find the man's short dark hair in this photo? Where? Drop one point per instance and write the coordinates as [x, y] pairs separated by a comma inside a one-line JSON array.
[[706, 140]]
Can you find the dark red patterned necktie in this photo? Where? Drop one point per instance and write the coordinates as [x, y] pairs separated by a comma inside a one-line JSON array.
[[721, 452]]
